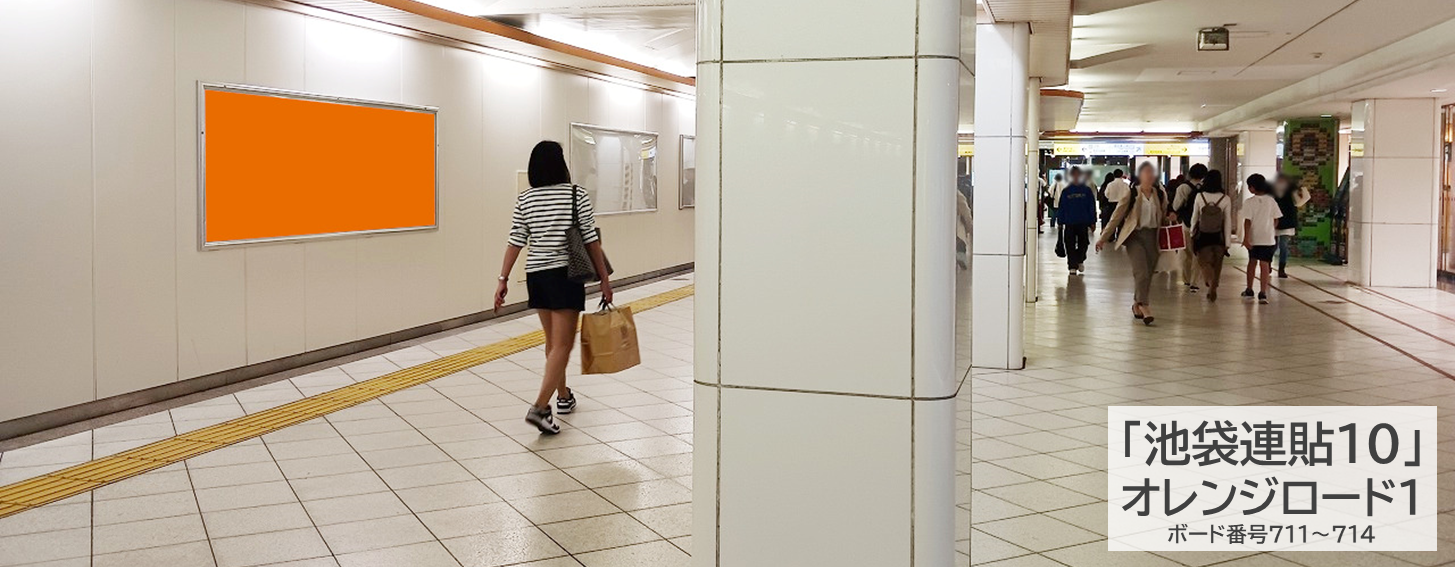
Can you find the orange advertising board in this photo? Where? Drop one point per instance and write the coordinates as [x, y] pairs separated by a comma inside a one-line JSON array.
[[282, 166]]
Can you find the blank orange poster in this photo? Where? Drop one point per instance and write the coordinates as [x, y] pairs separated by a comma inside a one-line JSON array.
[[281, 167]]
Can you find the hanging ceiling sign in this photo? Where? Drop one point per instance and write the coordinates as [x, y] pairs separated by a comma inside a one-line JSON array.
[[1130, 148]]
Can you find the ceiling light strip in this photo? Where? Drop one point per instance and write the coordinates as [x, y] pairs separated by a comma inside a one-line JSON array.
[[516, 34]]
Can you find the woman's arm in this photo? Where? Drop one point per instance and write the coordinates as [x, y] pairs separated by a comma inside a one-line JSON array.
[[1227, 206], [512, 252], [586, 214], [598, 259]]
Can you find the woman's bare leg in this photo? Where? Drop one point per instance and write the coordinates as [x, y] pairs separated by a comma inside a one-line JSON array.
[[560, 334], [564, 326], [547, 324]]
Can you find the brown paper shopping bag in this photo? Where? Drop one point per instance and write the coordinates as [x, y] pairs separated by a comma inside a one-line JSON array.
[[609, 341]]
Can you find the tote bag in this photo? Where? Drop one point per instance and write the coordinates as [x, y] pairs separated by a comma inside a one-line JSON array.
[[579, 267]]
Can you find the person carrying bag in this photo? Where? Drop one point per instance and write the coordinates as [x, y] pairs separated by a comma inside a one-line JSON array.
[[555, 223]]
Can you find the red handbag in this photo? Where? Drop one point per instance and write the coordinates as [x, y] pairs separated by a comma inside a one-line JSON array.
[[1171, 238]]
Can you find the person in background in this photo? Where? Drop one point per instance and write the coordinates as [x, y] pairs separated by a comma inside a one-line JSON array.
[[1182, 204], [1102, 204], [1077, 215], [1290, 199], [1212, 230], [964, 227], [542, 216], [1260, 221], [1112, 194], [1137, 219], [1054, 196], [1042, 197]]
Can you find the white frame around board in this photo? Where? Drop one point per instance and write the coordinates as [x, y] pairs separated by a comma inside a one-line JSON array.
[[201, 131], [637, 190], [686, 172]]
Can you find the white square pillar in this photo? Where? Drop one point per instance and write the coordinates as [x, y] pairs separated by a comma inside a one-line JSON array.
[[1002, 55], [1394, 199], [824, 424]]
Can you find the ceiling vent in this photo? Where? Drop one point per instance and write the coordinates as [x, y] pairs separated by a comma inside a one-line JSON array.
[[1213, 39]]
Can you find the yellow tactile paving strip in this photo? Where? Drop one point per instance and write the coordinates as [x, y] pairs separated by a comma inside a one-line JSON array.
[[59, 485]]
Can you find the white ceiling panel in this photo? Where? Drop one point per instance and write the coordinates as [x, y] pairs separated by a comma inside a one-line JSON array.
[[1167, 83]]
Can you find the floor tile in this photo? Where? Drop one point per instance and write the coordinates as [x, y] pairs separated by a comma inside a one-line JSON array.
[[148, 533], [649, 494], [430, 554], [564, 506], [354, 508], [601, 532], [380, 533], [533, 484], [194, 554], [245, 521], [1037, 533], [473, 520], [508, 547], [270, 547], [654, 554]]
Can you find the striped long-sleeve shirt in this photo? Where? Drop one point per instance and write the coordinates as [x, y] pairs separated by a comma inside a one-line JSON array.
[[542, 215]]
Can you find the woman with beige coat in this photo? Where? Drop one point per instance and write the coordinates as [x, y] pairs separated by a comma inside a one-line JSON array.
[[1134, 225]]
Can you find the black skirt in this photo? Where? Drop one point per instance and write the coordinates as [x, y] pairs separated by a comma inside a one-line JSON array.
[[551, 289]]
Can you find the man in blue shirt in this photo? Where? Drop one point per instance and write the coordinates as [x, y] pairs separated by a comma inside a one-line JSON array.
[[1077, 215]]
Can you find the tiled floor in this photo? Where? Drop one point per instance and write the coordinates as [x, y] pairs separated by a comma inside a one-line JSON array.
[[1039, 435], [447, 474], [443, 474]]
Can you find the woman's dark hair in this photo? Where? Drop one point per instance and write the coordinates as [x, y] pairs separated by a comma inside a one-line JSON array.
[[1213, 182], [548, 165], [1110, 177]]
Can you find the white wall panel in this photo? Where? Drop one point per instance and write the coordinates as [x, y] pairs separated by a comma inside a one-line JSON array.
[[276, 276], [344, 60], [331, 298], [515, 96], [617, 106], [564, 99], [46, 357], [276, 308], [452, 80], [135, 195], [867, 530], [276, 43], [211, 291], [817, 155]]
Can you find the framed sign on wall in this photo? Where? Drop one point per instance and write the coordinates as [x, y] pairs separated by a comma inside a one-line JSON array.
[[687, 174], [618, 168], [277, 165]]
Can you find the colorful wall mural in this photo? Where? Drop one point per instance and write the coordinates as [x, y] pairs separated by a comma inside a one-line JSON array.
[[1310, 153]]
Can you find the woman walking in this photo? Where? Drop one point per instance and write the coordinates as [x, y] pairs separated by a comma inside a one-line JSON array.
[[1212, 230], [543, 214], [1137, 218]]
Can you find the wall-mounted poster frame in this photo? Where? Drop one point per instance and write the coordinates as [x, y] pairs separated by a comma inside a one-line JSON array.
[[203, 88], [637, 172], [687, 172]]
